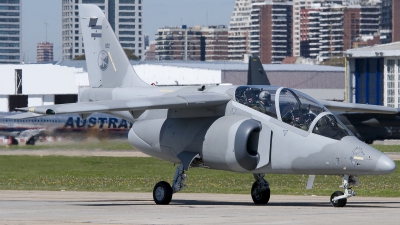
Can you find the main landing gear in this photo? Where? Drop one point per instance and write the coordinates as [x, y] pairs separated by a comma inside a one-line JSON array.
[[338, 198], [162, 192], [260, 191]]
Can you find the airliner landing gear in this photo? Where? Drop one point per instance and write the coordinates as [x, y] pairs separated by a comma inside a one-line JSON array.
[[338, 198], [260, 191], [162, 192]]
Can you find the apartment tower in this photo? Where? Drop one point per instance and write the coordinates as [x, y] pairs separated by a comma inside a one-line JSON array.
[[239, 30], [10, 32], [125, 17], [44, 52], [197, 43], [271, 30]]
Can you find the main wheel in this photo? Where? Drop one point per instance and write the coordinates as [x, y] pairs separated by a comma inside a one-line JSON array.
[[259, 197], [341, 202], [162, 193]]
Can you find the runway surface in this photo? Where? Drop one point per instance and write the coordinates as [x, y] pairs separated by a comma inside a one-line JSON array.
[[36, 207]]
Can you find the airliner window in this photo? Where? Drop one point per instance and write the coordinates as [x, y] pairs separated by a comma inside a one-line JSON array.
[[298, 109], [329, 126], [260, 98]]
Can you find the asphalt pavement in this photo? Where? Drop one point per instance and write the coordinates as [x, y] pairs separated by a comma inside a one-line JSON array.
[[37, 207]]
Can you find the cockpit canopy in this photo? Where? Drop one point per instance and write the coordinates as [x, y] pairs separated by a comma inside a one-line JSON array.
[[292, 107]]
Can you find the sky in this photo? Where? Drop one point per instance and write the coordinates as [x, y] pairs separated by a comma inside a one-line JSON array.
[[157, 14]]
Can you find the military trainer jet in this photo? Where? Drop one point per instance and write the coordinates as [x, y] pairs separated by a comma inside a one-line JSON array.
[[248, 129]]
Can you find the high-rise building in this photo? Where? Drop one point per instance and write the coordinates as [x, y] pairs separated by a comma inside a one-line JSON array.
[[309, 32], [298, 20], [331, 27], [239, 30], [44, 52], [10, 32], [386, 21], [271, 30], [208, 43], [125, 17], [260, 27]]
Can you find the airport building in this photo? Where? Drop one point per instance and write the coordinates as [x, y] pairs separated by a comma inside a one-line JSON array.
[[373, 75], [125, 17], [44, 52], [47, 84], [11, 32], [197, 43]]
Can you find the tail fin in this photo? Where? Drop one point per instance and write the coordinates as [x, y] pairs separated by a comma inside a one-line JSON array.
[[106, 61], [256, 74]]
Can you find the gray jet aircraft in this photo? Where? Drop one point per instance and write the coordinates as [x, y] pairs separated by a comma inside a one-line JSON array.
[[247, 129]]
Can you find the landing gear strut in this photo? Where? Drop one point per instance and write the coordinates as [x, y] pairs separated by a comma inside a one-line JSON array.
[[260, 191], [338, 198], [162, 192]]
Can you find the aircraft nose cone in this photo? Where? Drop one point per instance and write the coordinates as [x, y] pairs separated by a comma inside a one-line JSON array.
[[385, 164]]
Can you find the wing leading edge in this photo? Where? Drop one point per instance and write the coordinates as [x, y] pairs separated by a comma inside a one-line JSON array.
[[159, 102], [359, 108]]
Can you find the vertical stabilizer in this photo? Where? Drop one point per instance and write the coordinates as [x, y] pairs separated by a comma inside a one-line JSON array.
[[107, 64], [256, 74]]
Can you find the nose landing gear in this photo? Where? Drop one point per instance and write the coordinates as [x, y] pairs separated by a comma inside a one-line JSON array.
[[338, 198]]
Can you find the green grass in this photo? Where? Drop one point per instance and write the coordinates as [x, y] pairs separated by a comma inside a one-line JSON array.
[[117, 145], [57, 173], [387, 148]]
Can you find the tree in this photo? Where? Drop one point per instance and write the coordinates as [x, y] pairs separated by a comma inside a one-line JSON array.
[[128, 53], [334, 61], [80, 57]]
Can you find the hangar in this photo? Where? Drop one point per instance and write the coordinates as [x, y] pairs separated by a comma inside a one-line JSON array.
[[372, 75], [46, 84]]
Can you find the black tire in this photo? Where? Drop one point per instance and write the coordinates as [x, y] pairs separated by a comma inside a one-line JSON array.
[[340, 202], [162, 193], [31, 141], [260, 198]]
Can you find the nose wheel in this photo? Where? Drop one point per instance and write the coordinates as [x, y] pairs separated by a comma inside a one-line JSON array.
[[340, 202], [338, 198]]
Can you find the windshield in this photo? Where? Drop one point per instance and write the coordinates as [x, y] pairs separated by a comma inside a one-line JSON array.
[[297, 109], [329, 126], [260, 98]]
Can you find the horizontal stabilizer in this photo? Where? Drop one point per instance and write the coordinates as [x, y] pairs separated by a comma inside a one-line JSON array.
[[159, 102], [360, 108]]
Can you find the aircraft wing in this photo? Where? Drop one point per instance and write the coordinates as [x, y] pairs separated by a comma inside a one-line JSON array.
[[140, 104], [360, 108]]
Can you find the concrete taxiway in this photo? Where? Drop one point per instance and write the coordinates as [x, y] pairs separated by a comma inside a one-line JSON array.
[[35, 207]]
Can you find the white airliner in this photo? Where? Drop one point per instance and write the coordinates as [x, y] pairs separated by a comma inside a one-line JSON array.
[[72, 126]]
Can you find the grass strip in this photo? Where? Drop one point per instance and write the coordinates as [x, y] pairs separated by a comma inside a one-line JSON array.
[[119, 145], [387, 148], [108, 145], [111, 174]]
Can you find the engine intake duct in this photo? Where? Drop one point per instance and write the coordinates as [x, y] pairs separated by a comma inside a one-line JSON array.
[[232, 141]]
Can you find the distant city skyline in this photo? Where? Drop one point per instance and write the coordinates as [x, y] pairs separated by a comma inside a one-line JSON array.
[[157, 14]]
